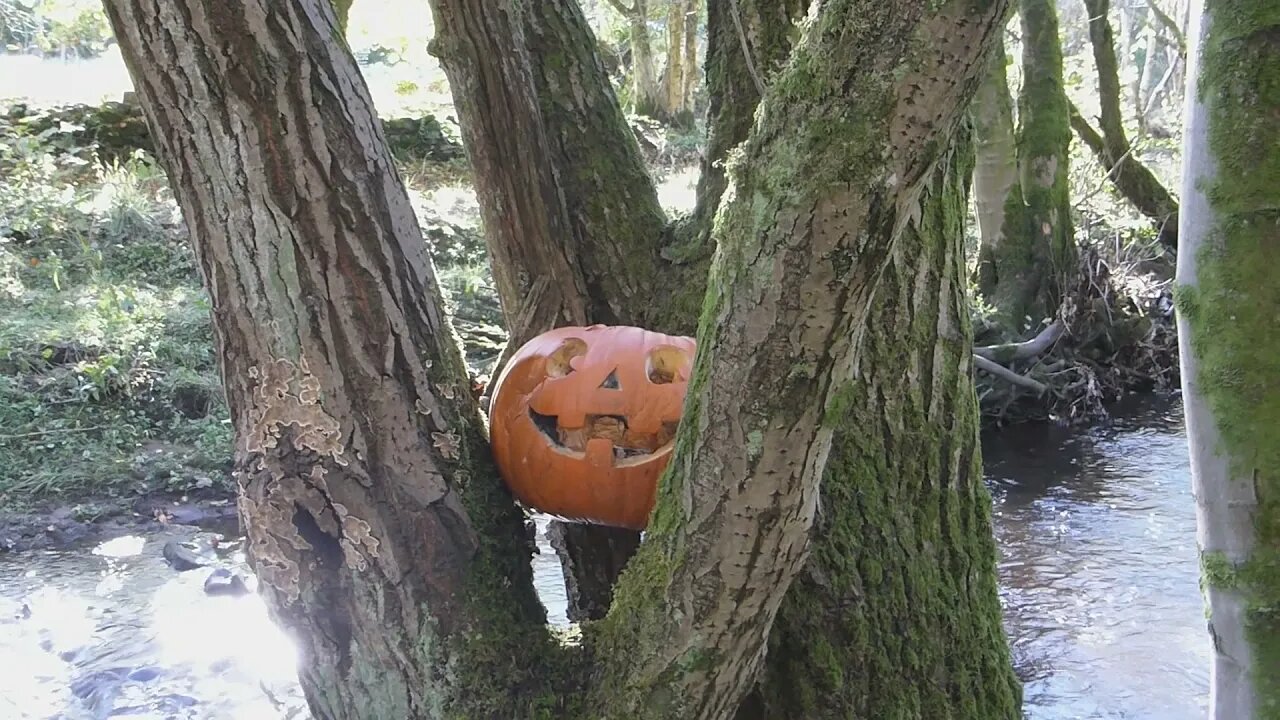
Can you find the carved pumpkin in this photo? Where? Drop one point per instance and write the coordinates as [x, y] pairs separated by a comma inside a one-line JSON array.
[[582, 420]]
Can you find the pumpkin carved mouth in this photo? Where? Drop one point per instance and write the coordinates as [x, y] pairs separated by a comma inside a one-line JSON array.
[[627, 444], [583, 420]]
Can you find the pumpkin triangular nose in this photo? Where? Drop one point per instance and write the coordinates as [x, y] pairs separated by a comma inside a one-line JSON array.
[[611, 382]]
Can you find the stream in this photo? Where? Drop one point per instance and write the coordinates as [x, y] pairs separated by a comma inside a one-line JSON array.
[[1098, 571]]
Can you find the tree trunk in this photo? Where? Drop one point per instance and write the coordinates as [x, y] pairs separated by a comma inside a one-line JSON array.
[[1130, 176], [997, 196], [1228, 303], [606, 203], [646, 92], [896, 614], [673, 107], [800, 247], [747, 42], [384, 542], [691, 69], [1037, 251]]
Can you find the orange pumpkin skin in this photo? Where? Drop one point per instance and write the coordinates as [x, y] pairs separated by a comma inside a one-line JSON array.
[[582, 420]]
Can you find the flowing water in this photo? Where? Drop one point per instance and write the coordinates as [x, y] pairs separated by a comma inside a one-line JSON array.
[[1098, 566]]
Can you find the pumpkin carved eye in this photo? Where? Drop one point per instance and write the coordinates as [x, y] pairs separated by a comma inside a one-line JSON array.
[[583, 420]]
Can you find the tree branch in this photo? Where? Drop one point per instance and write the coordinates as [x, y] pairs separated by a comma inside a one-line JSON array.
[[1005, 373], [626, 11], [1022, 350], [1132, 179], [1168, 23]]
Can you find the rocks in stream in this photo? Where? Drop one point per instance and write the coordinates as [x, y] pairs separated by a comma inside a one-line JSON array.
[[184, 556], [225, 582]]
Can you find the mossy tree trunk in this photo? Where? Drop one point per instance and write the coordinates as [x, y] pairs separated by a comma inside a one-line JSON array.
[[996, 192], [818, 227], [1133, 179], [1037, 254], [342, 8], [1228, 301], [384, 542], [739, 65], [896, 613], [536, 105]]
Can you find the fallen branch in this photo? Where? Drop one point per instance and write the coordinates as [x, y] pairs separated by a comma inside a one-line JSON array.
[[1023, 350], [1005, 373]]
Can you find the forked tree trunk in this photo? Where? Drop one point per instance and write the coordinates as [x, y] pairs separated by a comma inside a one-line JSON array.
[[801, 244], [896, 613], [1228, 302], [383, 539], [1037, 251], [1133, 179]]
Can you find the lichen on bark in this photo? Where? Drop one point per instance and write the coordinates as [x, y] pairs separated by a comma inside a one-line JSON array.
[[1228, 304]]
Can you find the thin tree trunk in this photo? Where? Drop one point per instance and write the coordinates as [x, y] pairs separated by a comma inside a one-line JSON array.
[[800, 248], [997, 195], [1126, 172], [691, 69], [383, 539], [673, 108], [896, 614], [1228, 303], [747, 42], [646, 93]]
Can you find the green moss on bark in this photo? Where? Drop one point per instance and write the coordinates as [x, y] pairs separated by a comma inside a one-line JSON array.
[[896, 613], [1037, 250], [1234, 311]]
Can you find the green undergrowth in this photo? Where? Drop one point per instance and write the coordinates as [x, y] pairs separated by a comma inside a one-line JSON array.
[[109, 383]]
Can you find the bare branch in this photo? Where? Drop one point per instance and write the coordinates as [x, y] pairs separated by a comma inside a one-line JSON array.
[[1006, 374], [1023, 350], [1168, 23], [746, 49], [627, 11]]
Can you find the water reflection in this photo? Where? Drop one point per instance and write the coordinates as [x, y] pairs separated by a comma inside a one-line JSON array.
[[1098, 570]]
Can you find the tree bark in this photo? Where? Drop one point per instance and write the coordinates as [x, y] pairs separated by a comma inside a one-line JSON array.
[[896, 614], [691, 69], [997, 195], [800, 247], [1037, 252], [646, 92], [747, 43], [591, 558], [1228, 302], [674, 109], [382, 536], [1137, 183]]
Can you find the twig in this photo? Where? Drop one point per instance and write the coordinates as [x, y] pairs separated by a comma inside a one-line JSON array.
[[52, 431], [1006, 374], [1179, 39], [746, 49], [1022, 350]]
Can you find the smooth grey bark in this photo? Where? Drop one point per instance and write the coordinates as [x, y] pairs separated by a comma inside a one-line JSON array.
[[1228, 300], [995, 173]]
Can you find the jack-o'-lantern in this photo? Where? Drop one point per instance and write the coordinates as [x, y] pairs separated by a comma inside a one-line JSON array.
[[582, 420]]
